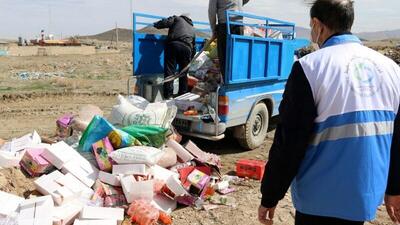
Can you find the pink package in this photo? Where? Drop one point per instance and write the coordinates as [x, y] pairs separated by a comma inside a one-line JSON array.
[[63, 128], [34, 163], [101, 151]]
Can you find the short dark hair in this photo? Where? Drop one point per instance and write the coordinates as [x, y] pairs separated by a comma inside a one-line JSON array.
[[337, 15]]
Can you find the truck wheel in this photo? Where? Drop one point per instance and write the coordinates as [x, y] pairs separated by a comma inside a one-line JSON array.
[[256, 128]]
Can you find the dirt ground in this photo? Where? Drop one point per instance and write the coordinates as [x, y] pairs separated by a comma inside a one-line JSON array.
[[35, 104]]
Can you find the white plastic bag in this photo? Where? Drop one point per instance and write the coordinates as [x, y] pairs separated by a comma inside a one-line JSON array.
[[157, 114], [137, 155], [202, 61], [138, 101]]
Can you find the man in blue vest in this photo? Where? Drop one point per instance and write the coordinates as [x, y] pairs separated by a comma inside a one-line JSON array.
[[338, 141]]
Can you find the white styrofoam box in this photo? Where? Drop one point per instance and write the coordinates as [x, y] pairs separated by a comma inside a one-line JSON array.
[[62, 187], [176, 186], [182, 153], [19, 144], [75, 185], [102, 213], [10, 159], [87, 174], [58, 154], [95, 222], [134, 190], [37, 211], [127, 187], [130, 169], [12, 205], [109, 178], [161, 173], [67, 213], [164, 203]]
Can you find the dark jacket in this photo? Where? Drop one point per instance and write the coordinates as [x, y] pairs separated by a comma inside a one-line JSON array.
[[180, 29]]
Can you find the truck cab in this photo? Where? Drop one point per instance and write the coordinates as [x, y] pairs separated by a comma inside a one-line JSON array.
[[257, 68]]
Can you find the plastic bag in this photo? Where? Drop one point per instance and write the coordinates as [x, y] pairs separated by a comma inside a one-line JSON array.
[[137, 155], [143, 213], [157, 114], [148, 135], [100, 128], [138, 101], [202, 61]]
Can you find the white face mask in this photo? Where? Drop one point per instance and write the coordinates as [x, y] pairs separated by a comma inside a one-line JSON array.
[[318, 36]]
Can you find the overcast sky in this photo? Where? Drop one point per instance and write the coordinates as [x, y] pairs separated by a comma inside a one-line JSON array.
[[71, 17]]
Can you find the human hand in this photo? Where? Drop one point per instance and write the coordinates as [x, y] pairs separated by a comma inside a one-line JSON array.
[[266, 215], [393, 207]]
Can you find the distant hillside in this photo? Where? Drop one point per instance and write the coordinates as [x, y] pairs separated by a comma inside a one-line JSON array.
[[382, 35], [124, 35]]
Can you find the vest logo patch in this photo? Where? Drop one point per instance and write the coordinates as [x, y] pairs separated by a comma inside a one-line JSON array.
[[364, 76]]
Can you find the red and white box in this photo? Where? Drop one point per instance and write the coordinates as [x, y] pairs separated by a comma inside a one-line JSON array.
[[250, 168]]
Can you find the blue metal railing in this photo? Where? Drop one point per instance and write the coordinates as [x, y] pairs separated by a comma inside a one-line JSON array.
[[286, 28], [137, 21]]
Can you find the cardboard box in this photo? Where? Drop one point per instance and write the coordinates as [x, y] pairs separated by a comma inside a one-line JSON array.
[[130, 169], [62, 188], [67, 213], [47, 184], [86, 173], [12, 205], [102, 213], [134, 190], [164, 204], [34, 163], [109, 178], [21, 143], [198, 179], [161, 173], [58, 154], [182, 153], [250, 168], [37, 211], [101, 151]]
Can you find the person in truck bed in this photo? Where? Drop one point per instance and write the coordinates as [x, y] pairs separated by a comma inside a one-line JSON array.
[[179, 49]]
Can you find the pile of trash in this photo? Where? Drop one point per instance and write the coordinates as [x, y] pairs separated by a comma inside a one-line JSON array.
[[37, 75], [98, 171]]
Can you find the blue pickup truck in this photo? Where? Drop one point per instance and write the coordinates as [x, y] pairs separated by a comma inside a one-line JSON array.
[[257, 69]]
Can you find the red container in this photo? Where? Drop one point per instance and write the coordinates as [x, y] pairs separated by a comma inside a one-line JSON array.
[[250, 168]]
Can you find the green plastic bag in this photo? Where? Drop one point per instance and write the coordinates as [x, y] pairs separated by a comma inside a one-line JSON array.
[[100, 128], [147, 135]]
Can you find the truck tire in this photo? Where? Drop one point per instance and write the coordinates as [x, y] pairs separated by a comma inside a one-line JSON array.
[[256, 128]]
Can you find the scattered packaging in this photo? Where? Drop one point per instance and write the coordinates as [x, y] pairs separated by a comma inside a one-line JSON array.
[[66, 213], [147, 135], [164, 203], [102, 213], [100, 128], [86, 173], [109, 178], [19, 144], [34, 163], [102, 150], [198, 179], [63, 126], [12, 205], [143, 213], [202, 156], [250, 168], [130, 169], [58, 154], [182, 153], [37, 211], [137, 155], [168, 158], [135, 190]]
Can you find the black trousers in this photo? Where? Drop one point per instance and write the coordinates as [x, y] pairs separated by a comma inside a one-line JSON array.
[[221, 42], [304, 219], [176, 54]]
